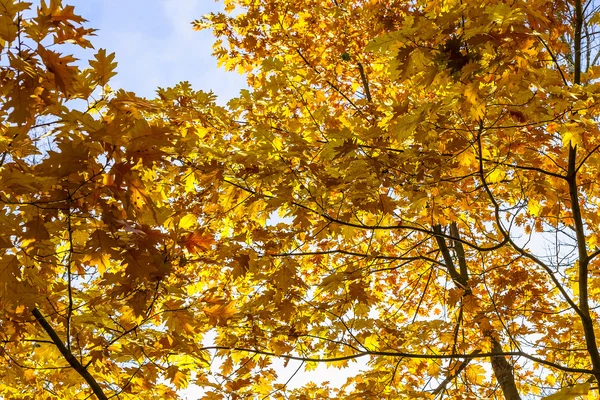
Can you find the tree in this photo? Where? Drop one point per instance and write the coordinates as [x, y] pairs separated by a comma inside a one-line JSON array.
[[435, 165], [413, 183], [93, 283]]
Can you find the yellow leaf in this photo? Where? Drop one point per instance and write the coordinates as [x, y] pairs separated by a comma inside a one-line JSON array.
[[64, 74], [372, 342], [8, 28], [218, 314], [384, 42], [433, 369], [187, 221], [497, 175], [570, 392], [572, 137], [80, 237], [476, 373], [177, 377], [466, 158], [104, 66], [190, 181], [534, 207]]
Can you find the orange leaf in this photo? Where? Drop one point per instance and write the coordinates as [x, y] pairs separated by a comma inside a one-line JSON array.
[[218, 314], [198, 240]]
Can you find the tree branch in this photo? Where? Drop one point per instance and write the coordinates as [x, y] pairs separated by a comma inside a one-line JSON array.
[[460, 252], [441, 242], [586, 319], [460, 369], [365, 82], [504, 372], [68, 356], [360, 354]]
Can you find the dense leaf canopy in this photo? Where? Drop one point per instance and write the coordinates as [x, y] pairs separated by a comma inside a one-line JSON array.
[[410, 183]]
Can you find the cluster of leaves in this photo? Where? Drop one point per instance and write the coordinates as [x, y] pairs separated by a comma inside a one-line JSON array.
[[434, 165], [411, 182], [95, 290]]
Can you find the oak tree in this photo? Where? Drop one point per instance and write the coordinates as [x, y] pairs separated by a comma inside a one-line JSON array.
[[411, 183], [96, 298], [434, 165]]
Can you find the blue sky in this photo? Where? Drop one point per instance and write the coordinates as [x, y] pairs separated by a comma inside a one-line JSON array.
[[156, 46]]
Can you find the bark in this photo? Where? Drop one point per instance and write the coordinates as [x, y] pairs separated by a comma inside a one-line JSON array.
[[504, 373], [584, 259]]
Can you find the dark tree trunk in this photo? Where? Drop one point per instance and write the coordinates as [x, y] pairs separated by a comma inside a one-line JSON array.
[[504, 373]]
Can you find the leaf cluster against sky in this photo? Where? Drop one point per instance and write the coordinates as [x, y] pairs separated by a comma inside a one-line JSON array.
[[375, 193]]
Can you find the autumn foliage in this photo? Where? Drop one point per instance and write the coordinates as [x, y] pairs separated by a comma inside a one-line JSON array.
[[409, 183]]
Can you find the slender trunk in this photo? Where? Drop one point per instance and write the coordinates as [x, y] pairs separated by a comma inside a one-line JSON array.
[[502, 369], [504, 373], [579, 225]]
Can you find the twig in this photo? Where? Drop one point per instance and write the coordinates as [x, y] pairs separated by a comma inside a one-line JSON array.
[[460, 369]]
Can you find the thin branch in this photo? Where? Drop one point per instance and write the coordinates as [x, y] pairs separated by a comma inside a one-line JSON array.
[[68, 356], [282, 388], [422, 297], [69, 272], [588, 155], [329, 83], [374, 227], [526, 168], [460, 369], [365, 82], [555, 60], [402, 354], [355, 254]]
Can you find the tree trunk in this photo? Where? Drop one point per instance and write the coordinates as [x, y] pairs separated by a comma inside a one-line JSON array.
[[504, 373]]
